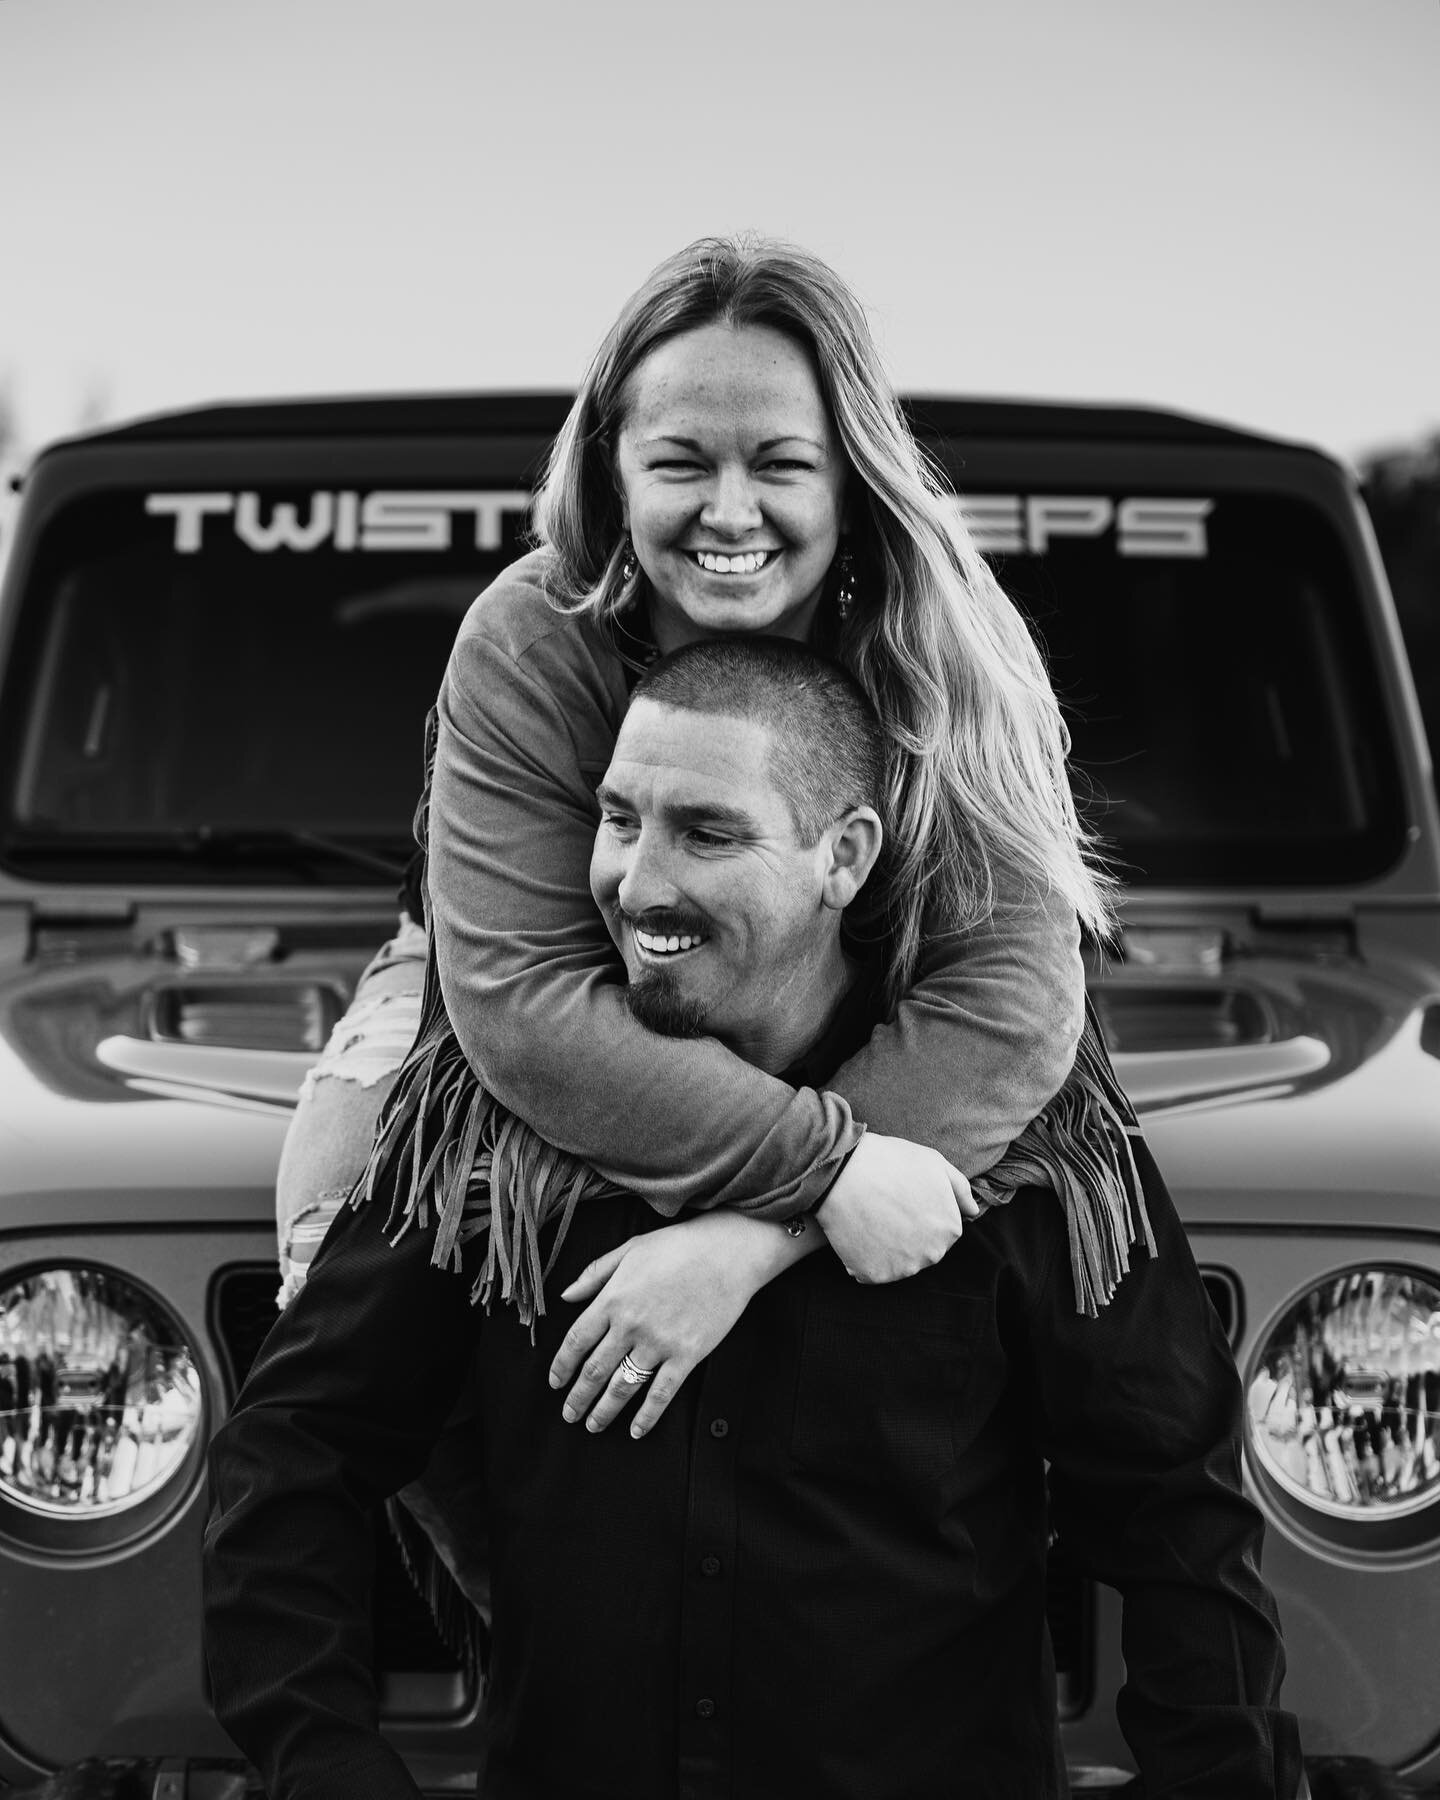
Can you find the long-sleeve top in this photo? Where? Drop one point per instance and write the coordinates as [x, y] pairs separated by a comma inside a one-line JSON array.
[[823, 1572], [528, 714]]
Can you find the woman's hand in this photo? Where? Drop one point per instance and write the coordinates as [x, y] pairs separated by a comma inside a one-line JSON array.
[[666, 1299], [897, 1208]]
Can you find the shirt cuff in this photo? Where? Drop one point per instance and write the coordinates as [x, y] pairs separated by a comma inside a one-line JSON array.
[[824, 1193]]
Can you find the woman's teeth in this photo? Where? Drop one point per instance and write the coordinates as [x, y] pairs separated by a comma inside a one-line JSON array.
[[748, 564], [663, 946]]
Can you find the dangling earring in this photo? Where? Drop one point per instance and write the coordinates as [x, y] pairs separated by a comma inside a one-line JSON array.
[[630, 564], [845, 587]]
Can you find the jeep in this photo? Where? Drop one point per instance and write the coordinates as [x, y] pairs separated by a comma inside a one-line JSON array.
[[220, 632]]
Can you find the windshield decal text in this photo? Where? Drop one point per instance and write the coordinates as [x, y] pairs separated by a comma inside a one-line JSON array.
[[1028, 524], [388, 519]]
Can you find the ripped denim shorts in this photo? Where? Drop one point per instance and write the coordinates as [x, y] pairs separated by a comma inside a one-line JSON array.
[[330, 1136]]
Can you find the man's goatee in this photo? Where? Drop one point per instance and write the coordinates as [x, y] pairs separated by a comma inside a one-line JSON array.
[[655, 1000]]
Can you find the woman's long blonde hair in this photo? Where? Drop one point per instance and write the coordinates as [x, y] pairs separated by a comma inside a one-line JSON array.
[[976, 784]]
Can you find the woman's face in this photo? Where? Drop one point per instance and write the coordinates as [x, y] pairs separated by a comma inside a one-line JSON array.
[[732, 483]]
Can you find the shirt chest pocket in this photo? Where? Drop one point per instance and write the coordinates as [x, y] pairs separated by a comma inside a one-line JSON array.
[[881, 1385]]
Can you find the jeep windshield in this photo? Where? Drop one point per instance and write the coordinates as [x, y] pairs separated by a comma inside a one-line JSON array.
[[214, 687], [1210, 652], [232, 687]]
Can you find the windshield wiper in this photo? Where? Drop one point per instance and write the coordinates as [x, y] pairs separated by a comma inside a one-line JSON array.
[[227, 843], [291, 837]]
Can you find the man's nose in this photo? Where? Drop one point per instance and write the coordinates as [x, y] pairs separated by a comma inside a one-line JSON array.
[[645, 874], [732, 506]]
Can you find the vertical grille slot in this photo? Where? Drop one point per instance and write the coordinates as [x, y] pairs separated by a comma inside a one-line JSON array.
[[1224, 1291]]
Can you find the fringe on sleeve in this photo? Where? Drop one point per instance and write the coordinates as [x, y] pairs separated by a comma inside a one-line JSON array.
[[450, 1158], [458, 1625], [1080, 1146]]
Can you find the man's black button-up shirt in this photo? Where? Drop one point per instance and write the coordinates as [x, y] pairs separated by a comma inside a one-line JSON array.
[[822, 1574]]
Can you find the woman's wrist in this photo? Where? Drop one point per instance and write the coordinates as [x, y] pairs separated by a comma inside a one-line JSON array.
[[756, 1250], [771, 1248]]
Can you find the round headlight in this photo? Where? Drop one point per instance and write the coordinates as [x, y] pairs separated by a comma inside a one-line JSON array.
[[100, 1402], [1343, 1398]]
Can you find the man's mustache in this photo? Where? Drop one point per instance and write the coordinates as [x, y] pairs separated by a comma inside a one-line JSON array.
[[664, 921]]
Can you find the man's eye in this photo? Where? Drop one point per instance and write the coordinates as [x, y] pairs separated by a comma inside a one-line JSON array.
[[613, 821], [709, 840]]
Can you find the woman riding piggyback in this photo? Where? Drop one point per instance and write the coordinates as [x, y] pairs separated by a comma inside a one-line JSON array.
[[736, 461]]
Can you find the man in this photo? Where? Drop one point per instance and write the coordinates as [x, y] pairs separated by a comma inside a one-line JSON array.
[[822, 1571]]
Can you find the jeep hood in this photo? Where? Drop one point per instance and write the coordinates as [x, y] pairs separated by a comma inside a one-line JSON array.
[[1280, 1078]]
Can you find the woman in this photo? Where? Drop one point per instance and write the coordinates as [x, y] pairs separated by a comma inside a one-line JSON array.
[[736, 460]]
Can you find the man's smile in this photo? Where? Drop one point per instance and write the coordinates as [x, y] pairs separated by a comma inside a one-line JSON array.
[[660, 945]]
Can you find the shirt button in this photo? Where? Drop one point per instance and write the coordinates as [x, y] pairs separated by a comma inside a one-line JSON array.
[[719, 1428], [704, 1709], [709, 1565]]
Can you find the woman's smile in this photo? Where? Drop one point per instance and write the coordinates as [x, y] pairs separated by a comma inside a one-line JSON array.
[[743, 562]]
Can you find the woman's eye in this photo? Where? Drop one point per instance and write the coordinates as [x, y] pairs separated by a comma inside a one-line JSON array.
[[788, 465]]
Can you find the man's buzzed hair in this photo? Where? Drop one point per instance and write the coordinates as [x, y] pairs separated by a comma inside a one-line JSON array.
[[829, 753]]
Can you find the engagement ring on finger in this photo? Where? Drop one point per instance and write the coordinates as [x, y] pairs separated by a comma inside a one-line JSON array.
[[631, 1372]]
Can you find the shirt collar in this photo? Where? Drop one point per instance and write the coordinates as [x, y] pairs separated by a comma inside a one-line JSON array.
[[850, 1024]]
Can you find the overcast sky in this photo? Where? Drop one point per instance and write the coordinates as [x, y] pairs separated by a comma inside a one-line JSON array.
[[1229, 207]]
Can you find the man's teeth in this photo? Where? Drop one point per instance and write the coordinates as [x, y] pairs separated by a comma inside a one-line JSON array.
[[662, 946], [748, 564]]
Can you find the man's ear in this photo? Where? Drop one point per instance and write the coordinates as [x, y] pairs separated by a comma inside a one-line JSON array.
[[853, 847]]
